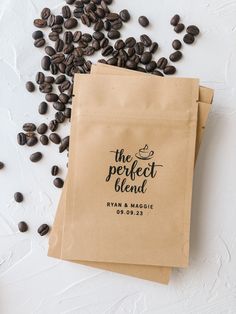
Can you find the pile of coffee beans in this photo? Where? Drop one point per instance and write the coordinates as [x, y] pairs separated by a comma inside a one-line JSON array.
[[67, 51]]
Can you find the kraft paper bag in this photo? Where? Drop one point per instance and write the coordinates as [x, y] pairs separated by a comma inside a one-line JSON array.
[[159, 274], [133, 149]]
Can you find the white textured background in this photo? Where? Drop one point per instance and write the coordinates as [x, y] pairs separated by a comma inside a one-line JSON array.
[[30, 282]]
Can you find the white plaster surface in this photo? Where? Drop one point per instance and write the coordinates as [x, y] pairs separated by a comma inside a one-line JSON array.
[[31, 282]]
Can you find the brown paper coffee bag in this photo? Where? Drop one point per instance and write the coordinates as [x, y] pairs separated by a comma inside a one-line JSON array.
[[131, 182]]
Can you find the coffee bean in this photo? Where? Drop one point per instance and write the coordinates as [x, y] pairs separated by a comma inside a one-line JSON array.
[[43, 229], [35, 157], [60, 79], [146, 57], [98, 26], [188, 39], [45, 13], [21, 138], [45, 63], [59, 117], [70, 23], [59, 106], [1, 165], [43, 108], [43, 139], [29, 127], [65, 86], [54, 68], [176, 44], [179, 28], [169, 70], [39, 42], [112, 16], [53, 36], [22, 226], [70, 1], [51, 20], [100, 13], [42, 128], [57, 28], [107, 25], [151, 66], [143, 21], [130, 42], [119, 44], [145, 39], [85, 20], [40, 23], [139, 48], [55, 138], [31, 141], [113, 34], [49, 79], [64, 144], [66, 12], [162, 63], [176, 56], [175, 20], [153, 48], [67, 113], [59, 45], [59, 20], [132, 65], [30, 86], [58, 182], [18, 197], [117, 24], [158, 73], [124, 15], [39, 78], [193, 30], [107, 51], [37, 35], [45, 88], [98, 36], [49, 51], [96, 44], [57, 58], [51, 97], [53, 125], [54, 170]]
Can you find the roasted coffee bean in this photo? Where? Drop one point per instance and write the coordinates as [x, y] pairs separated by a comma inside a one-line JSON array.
[[107, 51], [154, 47], [59, 117], [45, 13], [176, 44], [58, 182], [43, 108], [176, 56], [51, 20], [162, 63], [1, 165], [112, 16], [169, 70], [139, 48], [57, 28], [66, 12], [98, 36], [45, 88], [40, 23], [68, 49], [104, 42], [53, 36], [107, 25], [59, 20], [60, 79], [18, 197], [62, 67], [85, 20], [42, 128], [188, 39], [30, 86], [57, 58], [29, 127], [104, 6], [98, 26], [70, 23], [175, 20], [54, 170], [39, 78], [113, 34], [70, 1], [21, 138], [54, 68], [65, 86], [145, 39], [87, 38], [130, 52], [130, 42], [59, 106], [89, 51], [132, 65], [50, 51], [100, 13], [37, 35], [117, 24], [179, 28], [119, 44], [43, 139], [31, 141], [67, 113], [146, 57], [55, 138], [49, 79], [141, 69], [68, 37], [112, 61], [96, 44], [53, 125], [64, 98], [39, 42], [151, 66], [64, 144], [43, 230], [35, 157], [143, 21], [158, 73], [124, 15], [22, 226], [51, 97], [45, 63], [193, 30]]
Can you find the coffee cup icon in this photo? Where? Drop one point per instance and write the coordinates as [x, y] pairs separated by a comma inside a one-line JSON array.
[[144, 153]]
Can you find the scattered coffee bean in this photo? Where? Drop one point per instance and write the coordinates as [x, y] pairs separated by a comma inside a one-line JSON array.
[[55, 138], [188, 39], [70, 23], [40, 23], [21, 138], [176, 56], [146, 57], [35, 157], [37, 35], [176, 44], [59, 117], [158, 73], [54, 170], [112, 16], [42, 128], [153, 48], [169, 70], [31, 141], [58, 182], [46, 12], [43, 108], [64, 144], [51, 97], [193, 30], [124, 15], [179, 28], [45, 63], [145, 39], [18, 197], [143, 21], [1, 165], [44, 139], [150, 67], [162, 63], [43, 229], [113, 34], [29, 127], [39, 42], [67, 113], [53, 125], [175, 20], [22, 226], [30, 86]]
